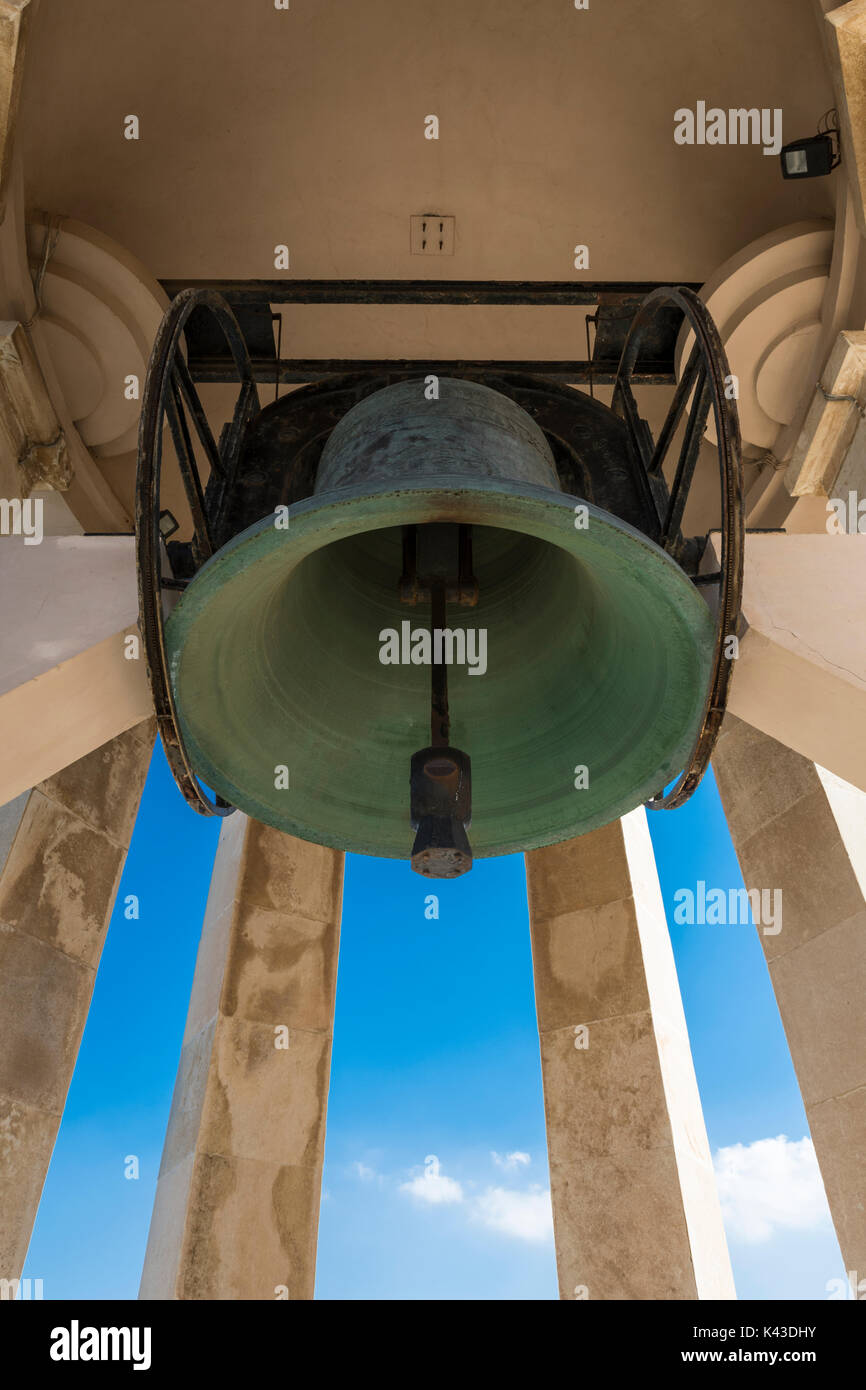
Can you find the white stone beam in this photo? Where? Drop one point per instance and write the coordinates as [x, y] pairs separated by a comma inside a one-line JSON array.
[[66, 685], [801, 671]]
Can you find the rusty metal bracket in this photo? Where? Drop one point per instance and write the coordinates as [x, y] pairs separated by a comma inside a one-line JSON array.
[[170, 398], [702, 387]]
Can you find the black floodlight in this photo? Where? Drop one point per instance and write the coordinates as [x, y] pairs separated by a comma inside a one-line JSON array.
[[168, 524], [813, 157]]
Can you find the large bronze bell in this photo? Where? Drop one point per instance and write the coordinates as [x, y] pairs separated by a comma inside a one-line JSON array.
[[302, 655]]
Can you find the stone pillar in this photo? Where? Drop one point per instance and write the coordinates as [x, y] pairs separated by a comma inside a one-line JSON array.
[[802, 830], [62, 849], [635, 1208], [237, 1203]]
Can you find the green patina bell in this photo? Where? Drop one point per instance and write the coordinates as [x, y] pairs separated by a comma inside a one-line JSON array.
[[570, 673]]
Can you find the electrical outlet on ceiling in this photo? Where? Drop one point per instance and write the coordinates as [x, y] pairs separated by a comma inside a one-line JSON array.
[[431, 234]]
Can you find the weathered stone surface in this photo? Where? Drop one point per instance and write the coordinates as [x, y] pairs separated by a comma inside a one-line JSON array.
[[797, 829], [27, 1137], [289, 875], [224, 883], [238, 1095], [281, 967], [847, 52], [10, 819], [838, 1130], [14, 23], [636, 1212], [60, 880], [207, 984], [828, 1043], [800, 852], [828, 432], [97, 787], [267, 1103], [251, 1231], [622, 1102], [588, 966], [620, 1228], [44, 463], [758, 778], [236, 1210], [57, 886], [188, 1100], [577, 874], [44, 996], [145, 731]]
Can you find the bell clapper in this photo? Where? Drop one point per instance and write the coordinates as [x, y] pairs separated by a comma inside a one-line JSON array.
[[440, 777], [440, 719]]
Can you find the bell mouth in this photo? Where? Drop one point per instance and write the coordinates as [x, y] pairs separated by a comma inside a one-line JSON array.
[[597, 653]]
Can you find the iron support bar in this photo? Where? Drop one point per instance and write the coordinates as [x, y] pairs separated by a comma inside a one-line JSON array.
[[300, 370], [262, 293]]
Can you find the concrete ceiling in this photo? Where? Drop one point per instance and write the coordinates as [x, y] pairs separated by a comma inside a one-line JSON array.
[[306, 126]]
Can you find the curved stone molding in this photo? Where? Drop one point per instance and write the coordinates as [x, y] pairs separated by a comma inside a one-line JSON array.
[[785, 360], [778, 326], [100, 312], [89, 502], [767, 302]]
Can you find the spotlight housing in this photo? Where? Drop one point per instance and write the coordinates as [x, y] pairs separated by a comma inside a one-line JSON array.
[[815, 156]]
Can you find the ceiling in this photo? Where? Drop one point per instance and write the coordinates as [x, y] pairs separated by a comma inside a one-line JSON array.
[[305, 127]]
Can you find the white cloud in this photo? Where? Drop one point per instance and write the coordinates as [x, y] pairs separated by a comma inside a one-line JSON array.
[[364, 1173], [511, 1161], [523, 1215], [432, 1185], [771, 1185]]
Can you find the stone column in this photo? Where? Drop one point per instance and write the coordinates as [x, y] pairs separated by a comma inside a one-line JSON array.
[[802, 830], [237, 1203], [635, 1208], [62, 849]]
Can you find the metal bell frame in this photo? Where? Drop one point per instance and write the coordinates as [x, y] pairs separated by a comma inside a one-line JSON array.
[[170, 398]]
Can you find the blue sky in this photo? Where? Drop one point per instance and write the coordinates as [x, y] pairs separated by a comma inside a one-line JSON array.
[[435, 1182]]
